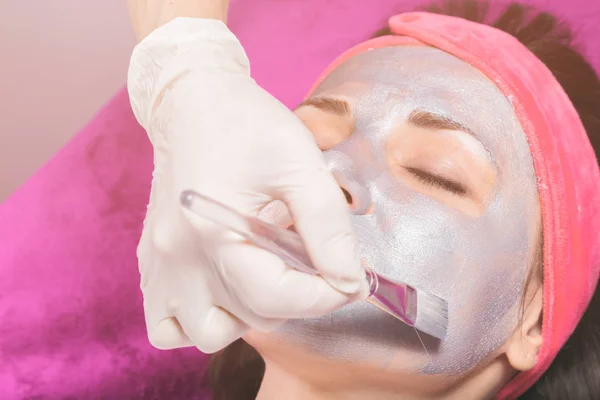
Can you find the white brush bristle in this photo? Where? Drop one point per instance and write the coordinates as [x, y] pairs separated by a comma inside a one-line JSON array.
[[432, 315]]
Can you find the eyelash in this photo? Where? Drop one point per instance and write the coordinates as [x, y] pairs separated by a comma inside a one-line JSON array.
[[437, 181]]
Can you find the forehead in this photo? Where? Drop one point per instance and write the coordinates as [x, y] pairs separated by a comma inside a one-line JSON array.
[[391, 65], [393, 81]]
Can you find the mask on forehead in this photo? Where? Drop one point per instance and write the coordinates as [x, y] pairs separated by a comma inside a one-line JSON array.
[[473, 248]]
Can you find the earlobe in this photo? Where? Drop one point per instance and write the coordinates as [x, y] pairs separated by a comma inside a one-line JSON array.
[[523, 348]]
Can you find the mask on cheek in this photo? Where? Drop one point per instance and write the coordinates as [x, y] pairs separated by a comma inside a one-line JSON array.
[[478, 263]]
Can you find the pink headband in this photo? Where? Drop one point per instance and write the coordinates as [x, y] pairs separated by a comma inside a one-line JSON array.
[[565, 163]]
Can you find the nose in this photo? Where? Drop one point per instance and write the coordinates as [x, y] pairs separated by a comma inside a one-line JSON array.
[[343, 162], [357, 197]]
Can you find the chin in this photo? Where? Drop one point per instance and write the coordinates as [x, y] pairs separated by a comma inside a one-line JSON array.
[[361, 365]]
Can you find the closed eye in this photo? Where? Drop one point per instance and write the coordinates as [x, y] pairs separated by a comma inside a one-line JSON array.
[[438, 181]]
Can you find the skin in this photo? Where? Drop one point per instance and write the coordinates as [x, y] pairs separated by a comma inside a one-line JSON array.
[[439, 179], [148, 15]]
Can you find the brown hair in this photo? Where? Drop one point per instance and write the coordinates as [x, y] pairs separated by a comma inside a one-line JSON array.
[[236, 372]]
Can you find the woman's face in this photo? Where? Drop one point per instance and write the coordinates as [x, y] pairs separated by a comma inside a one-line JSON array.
[[440, 182]]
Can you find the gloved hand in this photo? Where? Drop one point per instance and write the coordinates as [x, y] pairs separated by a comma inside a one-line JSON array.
[[215, 131]]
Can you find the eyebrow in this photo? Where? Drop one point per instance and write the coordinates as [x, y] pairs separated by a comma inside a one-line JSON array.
[[328, 104], [418, 118], [429, 120]]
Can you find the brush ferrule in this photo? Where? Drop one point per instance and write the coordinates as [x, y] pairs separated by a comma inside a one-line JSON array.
[[395, 298]]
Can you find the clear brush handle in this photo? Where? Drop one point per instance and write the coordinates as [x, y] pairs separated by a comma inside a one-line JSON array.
[[396, 298], [284, 243]]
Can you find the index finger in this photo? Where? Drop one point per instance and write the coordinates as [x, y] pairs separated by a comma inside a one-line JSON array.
[[321, 217]]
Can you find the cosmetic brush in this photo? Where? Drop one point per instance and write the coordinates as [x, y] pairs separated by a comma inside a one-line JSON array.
[[415, 307]]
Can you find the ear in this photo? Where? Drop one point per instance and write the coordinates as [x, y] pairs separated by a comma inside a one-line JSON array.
[[523, 348]]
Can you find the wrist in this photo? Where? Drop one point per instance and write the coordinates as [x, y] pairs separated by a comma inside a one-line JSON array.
[[207, 9], [149, 15], [182, 49]]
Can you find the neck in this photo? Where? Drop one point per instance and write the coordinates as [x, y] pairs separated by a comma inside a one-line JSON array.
[[279, 382]]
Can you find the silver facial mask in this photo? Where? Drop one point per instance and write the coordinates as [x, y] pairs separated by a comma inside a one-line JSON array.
[[478, 264]]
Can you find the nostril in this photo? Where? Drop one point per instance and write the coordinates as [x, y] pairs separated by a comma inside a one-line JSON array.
[[348, 196], [292, 228]]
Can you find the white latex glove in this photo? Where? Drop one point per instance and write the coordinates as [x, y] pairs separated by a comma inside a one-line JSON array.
[[215, 131]]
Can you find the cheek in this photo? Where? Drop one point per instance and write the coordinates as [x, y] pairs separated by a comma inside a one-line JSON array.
[[477, 264]]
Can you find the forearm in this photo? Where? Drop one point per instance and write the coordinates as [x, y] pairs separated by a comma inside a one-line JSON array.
[[148, 15], [210, 9]]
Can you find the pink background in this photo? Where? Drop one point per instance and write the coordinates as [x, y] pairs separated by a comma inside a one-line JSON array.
[[70, 306], [60, 61]]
